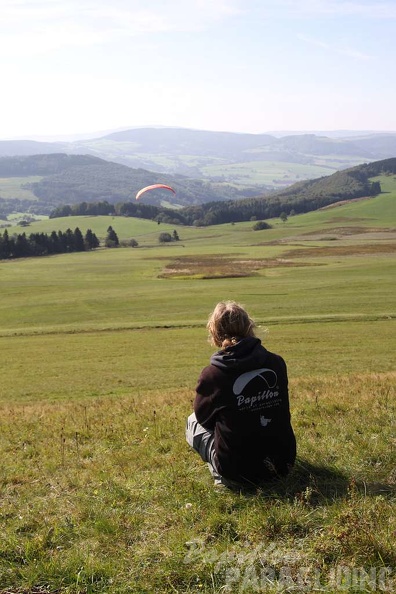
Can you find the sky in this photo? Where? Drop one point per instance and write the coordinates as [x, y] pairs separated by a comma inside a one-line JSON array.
[[72, 67]]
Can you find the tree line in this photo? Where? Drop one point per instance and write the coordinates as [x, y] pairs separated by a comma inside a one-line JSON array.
[[126, 209], [42, 244]]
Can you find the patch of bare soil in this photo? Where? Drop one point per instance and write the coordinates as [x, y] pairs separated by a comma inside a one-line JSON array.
[[221, 267]]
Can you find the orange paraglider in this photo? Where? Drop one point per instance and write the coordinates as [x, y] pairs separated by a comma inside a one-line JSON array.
[[153, 187]]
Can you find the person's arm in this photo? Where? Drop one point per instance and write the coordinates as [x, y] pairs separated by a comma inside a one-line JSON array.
[[291, 449], [205, 403]]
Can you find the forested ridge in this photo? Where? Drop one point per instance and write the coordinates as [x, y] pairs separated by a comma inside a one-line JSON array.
[[299, 198], [44, 164], [71, 179]]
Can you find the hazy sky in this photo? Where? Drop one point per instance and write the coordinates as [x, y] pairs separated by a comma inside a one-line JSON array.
[[77, 66]]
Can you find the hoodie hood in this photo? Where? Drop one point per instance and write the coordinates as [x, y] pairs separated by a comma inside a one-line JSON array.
[[246, 354]]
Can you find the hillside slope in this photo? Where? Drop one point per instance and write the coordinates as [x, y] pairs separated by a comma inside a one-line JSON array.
[[300, 198], [199, 153], [69, 179]]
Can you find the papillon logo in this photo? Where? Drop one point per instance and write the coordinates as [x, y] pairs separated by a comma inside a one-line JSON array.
[[264, 422], [268, 376]]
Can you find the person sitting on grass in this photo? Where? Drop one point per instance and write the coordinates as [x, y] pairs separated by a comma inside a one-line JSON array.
[[241, 421]]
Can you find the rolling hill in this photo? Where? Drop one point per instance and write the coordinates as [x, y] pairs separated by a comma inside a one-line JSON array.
[[302, 197], [355, 183], [77, 180], [69, 179], [241, 159]]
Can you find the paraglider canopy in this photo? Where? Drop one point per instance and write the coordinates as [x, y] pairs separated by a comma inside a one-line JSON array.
[[153, 187]]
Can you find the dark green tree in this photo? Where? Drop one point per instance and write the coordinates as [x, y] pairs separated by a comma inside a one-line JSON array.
[[70, 241], [260, 225], [91, 241], [165, 237], [62, 242], [22, 246], [5, 246], [40, 244], [55, 246], [112, 238], [375, 188], [79, 244]]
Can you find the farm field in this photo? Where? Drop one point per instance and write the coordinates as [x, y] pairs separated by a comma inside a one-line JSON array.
[[276, 174], [101, 352], [254, 167], [12, 187]]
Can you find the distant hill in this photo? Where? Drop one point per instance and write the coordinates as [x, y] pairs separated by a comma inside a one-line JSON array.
[[70, 179], [300, 198], [44, 164], [244, 147], [240, 159], [13, 148], [181, 141]]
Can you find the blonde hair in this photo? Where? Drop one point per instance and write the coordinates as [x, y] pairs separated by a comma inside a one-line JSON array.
[[228, 323]]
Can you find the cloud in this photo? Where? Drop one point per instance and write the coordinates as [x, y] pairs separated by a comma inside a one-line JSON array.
[[343, 50]]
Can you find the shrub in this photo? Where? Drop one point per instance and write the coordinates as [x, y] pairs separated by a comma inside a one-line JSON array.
[[165, 238], [260, 225]]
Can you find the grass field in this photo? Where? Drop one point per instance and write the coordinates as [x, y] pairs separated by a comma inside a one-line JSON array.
[[100, 355], [277, 174], [12, 187]]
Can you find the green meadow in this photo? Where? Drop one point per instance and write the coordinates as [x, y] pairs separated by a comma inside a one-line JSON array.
[[13, 187], [101, 352], [277, 174]]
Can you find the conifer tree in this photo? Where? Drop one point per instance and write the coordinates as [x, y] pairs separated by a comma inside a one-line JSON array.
[[79, 245], [5, 248], [69, 240], [112, 238], [22, 246], [91, 241]]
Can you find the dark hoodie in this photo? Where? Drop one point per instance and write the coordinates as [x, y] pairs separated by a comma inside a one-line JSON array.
[[243, 397]]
